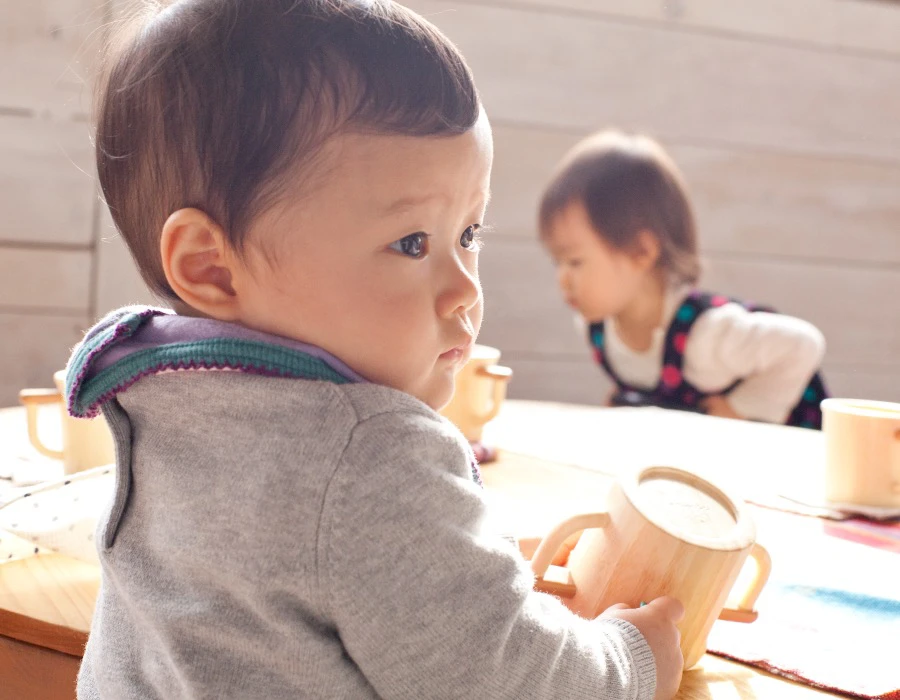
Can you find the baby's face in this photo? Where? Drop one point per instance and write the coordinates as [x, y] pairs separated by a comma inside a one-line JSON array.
[[596, 279], [377, 260]]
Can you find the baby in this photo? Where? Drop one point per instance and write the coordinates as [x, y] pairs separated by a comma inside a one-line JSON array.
[[617, 221], [303, 182]]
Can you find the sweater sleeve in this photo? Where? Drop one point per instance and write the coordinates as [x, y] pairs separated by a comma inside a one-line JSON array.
[[774, 355], [430, 604]]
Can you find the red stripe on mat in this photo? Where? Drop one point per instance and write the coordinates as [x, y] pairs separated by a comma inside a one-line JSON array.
[[884, 536]]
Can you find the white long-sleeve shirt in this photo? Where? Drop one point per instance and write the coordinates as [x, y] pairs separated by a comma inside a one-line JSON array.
[[773, 355]]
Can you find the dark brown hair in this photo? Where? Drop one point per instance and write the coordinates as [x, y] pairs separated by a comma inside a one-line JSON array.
[[208, 103], [627, 183]]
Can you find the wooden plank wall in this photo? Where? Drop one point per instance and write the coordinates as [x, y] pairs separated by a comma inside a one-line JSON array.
[[61, 264], [783, 116], [47, 201]]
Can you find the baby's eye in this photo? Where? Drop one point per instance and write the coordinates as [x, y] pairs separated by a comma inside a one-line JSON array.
[[470, 238], [415, 245]]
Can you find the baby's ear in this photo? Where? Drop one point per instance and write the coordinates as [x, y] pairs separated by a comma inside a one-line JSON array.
[[646, 249], [199, 263]]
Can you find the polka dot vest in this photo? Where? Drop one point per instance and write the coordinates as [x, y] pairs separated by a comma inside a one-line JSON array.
[[673, 391]]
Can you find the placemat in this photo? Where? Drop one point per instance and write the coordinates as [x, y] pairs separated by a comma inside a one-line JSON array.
[[830, 614]]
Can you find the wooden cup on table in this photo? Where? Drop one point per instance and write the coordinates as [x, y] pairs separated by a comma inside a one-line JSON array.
[[665, 531], [86, 442], [480, 390], [862, 452]]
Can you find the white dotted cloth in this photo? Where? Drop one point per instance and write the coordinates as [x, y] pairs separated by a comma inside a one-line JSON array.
[[58, 516]]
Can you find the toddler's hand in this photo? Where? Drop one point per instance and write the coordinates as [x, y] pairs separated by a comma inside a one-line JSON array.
[[656, 621], [719, 406]]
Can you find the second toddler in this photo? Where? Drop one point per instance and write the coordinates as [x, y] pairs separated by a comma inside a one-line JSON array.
[[617, 222]]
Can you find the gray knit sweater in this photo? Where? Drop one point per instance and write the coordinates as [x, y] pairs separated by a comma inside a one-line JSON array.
[[277, 537]]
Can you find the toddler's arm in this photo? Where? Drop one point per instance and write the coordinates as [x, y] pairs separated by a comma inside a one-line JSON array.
[[774, 355], [428, 604]]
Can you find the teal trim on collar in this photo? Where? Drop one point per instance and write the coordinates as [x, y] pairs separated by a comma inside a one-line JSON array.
[[115, 326], [219, 353]]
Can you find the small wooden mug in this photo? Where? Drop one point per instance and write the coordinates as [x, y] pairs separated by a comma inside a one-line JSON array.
[[665, 531], [862, 451], [480, 390], [86, 442]]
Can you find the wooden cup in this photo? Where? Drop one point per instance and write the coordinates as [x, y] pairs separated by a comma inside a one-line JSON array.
[[665, 531], [86, 442], [480, 390], [862, 451]]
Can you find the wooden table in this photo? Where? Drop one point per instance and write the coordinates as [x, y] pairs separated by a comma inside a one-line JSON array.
[[555, 459]]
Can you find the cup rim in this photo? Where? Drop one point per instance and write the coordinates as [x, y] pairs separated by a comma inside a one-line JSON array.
[[59, 380], [742, 534], [484, 352], [885, 410]]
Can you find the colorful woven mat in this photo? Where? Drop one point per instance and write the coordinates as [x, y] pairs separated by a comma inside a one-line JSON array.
[[830, 614]]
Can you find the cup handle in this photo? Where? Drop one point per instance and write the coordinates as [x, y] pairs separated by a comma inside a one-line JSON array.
[[745, 612], [500, 376], [550, 545], [32, 399]]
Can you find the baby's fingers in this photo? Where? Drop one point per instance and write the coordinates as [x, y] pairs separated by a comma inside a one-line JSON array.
[[614, 608], [668, 606]]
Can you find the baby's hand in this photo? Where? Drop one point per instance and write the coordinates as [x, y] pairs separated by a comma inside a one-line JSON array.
[[656, 621], [719, 406]]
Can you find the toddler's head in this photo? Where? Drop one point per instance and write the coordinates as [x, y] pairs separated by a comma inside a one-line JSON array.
[[617, 221], [317, 169]]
